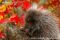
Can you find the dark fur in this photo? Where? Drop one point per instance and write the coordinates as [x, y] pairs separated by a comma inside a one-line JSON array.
[[42, 26]]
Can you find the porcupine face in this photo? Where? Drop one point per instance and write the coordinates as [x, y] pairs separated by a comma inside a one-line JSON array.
[[41, 26]]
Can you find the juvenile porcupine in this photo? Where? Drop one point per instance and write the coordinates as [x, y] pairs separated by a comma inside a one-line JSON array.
[[41, 26]]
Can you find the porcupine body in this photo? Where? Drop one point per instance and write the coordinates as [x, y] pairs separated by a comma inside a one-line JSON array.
[[41, 26]]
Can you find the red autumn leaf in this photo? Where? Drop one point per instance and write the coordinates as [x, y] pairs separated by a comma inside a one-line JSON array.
[[12, 5], [19, 3], [22, 19], [2, 35], [55, 2], [9, 8], [7, 11], [26, 5], [2, 21], [17, 19], [14, 19], [2, 13]]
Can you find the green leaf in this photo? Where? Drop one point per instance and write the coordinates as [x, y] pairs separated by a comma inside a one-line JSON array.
[[9, 25]]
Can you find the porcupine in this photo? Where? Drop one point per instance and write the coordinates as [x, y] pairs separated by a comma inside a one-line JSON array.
[[41, 26]]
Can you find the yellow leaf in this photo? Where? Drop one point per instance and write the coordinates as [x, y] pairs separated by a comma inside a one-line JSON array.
[[0, 1], [1, 17], [2, 8]]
